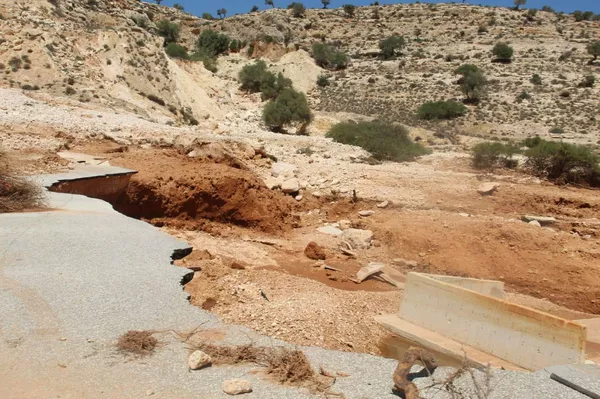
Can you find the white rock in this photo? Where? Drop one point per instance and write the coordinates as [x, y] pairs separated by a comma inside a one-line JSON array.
[[282, 168], [345, 224], [535, 223], [383, 204], [237, 386], [331, 230], [358, 239], [366, 213], [465, 215], [543, 220], [198, 360], [488, 188], [290, 186], [272, 183], [298, 197]]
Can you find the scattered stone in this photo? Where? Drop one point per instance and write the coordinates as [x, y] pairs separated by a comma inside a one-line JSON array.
[[272, 183], [488, 188], [198, 360], [317, 194], [237, 386], [383, 204], [465, 215], [290, 186], [237, 265], [403, 262], [366, 213], [347, 252], [535, 223], [331, 230], [149, 392], [345, 224], [327, 267], [298, 198], [314, 251], [543, 220], [283, 169], [358, 239]]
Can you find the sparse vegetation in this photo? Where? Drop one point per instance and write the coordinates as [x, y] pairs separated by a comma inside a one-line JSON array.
[[328, 57], [593, 49], [289, 107], [503, 52], [256, 78], [349, 10], [270, 3], [536, 79], [491, 155], [588, 81], [222, 12], [564, 163], [17, 193], [384, 140], [178, 6], [211, 43], [323, 81], [207, 16], [519, 3], [390, 46], [168, 30], [254, 9], [325, 3], [555, 130], [473, 85], [441, 110], [298, 9]]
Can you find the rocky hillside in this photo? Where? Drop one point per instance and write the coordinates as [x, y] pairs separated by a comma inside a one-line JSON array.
[[109, 52]]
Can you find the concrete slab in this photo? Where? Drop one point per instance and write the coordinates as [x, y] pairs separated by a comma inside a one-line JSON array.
[[583, 378], [438, 343]]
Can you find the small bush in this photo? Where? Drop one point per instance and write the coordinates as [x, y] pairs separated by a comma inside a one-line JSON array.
[[256, 78], [235, 46], [323, 81], [178, 6], [593, 49], [384, 140], [588, 81], [17, 193], [536, 79], [531, 142], [473, 85], [174, 50], [503, 52], [168, 30], [70, 91], [390, 46], [441, 110], [564, 163], [254, 9], [156, 99], [290, 106], [555, 130], [349, 10], [209, 61], [15, 63], [212, 43], [298, 9], [491, 155], [523, 96], [327, 56], [465, 69], [207, 16]]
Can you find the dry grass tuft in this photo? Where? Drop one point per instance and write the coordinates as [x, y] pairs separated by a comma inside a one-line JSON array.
[[137, 342], [287, 366], [17, 193]]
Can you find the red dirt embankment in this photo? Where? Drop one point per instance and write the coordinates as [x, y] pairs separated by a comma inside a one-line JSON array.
[[173, 188]]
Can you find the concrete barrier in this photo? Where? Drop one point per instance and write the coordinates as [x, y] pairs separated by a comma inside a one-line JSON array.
[[459, 310]]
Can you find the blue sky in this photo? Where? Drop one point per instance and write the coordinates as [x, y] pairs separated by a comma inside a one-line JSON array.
[[243, 6]]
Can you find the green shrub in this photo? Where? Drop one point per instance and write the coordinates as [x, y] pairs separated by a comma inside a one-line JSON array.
[[564, 163], [473, 85], [548, 9], [156, 99], [531, 142], [327, 56], [207, 16], [256, 78], [593, 49], [254, 9], [465, 69], [168, 30], [175, 50], [491, 155], [323, 81], [298, 9], [389, 46], [588, 81], [503, 52], [536, 79], [178, 6], [384, 140], [349, 9], [555, 130], [212, 43], [441, 110], [209, 61], [250, 50], [221, 12], [523, 96], [289, 106], [235, 46]]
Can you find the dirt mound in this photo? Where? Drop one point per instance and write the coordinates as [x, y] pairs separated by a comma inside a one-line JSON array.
[[17, 193], [137, 342], [173, 188]]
